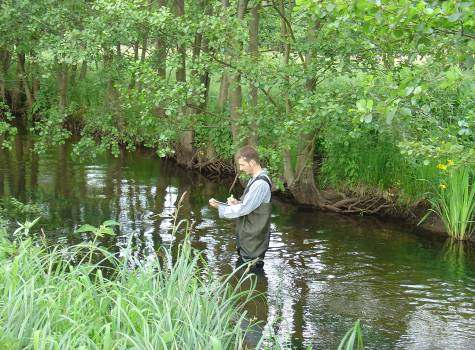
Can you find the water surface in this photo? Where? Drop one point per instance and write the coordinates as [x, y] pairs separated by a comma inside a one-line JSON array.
[[322, 272]]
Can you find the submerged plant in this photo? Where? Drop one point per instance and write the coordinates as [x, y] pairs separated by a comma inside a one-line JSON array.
[[455, 201]]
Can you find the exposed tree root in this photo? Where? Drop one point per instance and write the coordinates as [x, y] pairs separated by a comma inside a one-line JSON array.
[[333, 201]]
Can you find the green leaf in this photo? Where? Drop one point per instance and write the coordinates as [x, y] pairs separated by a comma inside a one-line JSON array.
[[168, 336], [110, 223], [105, 231], [406, 111], [361, 105], [86, 228], [369, 104], [216, 343], [454, 17], [390, 115]]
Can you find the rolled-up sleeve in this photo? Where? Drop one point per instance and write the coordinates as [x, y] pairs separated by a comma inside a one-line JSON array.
[[258, 193]]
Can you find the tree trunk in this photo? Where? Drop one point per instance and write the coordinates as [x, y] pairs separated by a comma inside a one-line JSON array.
[[304, 188], [254, 51], [16, 90], [4, 163], [112, 95], [4, 66], [184, 147], [201, 44], [72, 75], [160, 59], [181, 71], [299, 178], [3, 91], [289, 174], [223, 93], [222, 97], [36, 74], [235, 99], [83, 73], [24, 80], [160, 46], [224, 84], [62, 82], [136, 58], [235, 95], [205, 81], [142, 57], [143, 53]]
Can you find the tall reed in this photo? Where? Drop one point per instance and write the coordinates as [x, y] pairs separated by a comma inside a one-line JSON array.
[[455, 202], [48, 302]]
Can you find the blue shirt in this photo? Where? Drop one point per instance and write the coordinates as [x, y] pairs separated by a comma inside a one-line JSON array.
[[258, 193]]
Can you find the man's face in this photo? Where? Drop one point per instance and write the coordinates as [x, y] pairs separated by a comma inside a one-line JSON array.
[[245, 166]]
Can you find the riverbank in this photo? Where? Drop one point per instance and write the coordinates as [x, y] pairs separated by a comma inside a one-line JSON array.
[[360, 200], [370, 201]]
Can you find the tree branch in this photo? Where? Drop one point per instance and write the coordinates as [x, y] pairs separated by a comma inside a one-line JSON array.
[[244, 74], [289, 27]]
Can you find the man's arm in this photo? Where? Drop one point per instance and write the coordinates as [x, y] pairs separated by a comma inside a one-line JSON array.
[[257, 194]]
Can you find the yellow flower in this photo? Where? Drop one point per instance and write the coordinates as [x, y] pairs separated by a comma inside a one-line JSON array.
[[450, 162], [441, 166], [442, 186]]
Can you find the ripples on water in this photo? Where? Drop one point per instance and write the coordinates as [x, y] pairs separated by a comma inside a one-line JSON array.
[[322, 271]]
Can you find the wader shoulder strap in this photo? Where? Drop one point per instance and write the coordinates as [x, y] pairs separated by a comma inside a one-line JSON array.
[[260, 177], [266, 179]]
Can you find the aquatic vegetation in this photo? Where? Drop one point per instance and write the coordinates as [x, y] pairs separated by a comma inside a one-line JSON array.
[[12, 208], [455, 201], [47, 301], [353, 339]]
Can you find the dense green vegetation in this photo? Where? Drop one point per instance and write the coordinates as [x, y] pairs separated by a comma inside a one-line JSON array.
[[54, 297], [456, 202], [367, 97]]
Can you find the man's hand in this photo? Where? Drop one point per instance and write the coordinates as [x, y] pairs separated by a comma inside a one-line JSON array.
[[214, 203], [233, 201]]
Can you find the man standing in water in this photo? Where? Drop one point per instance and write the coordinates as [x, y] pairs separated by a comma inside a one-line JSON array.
[[252, 211]]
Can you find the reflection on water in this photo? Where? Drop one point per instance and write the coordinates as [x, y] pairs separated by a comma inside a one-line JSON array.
[[322, 271]]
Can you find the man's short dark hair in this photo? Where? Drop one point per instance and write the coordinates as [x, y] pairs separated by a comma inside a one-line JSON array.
[[249, 153]]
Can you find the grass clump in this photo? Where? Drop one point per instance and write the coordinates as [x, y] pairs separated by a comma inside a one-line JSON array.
[[49, 302], [455, 201]]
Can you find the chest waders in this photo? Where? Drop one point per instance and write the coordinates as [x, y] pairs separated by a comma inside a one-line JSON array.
[[253, 229]]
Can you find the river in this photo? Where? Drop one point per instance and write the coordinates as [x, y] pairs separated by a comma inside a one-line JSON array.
[[322, 272]]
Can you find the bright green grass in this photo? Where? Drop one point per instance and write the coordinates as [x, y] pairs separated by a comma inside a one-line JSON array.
[[378, 165], [47, 301], [455, 203], [353, 339]]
